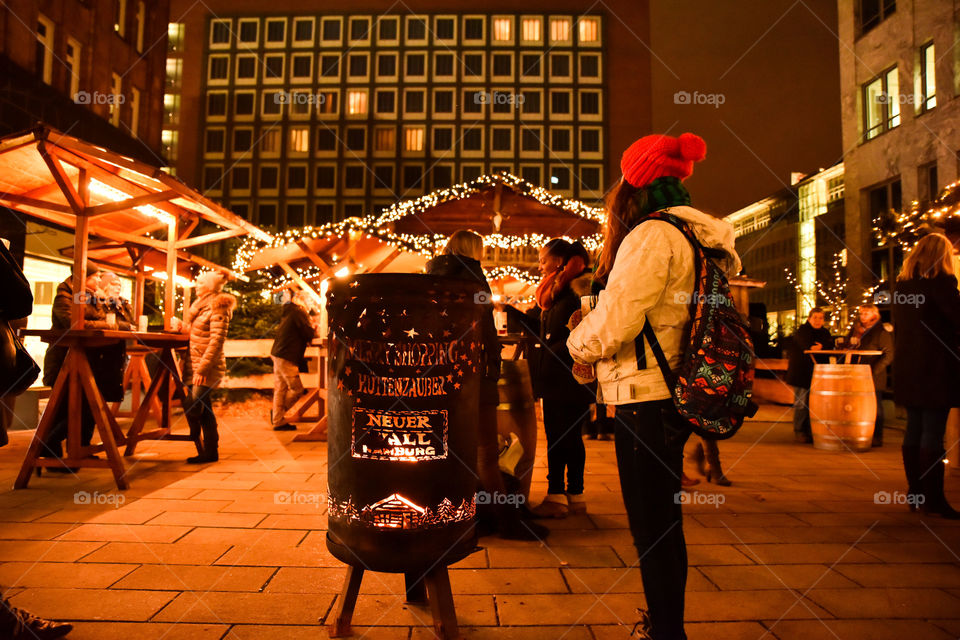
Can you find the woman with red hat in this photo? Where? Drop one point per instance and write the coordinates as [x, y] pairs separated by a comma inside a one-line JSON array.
[[649, 273]]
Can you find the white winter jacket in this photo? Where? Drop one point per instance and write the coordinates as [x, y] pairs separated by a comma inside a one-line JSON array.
[[652, 280]]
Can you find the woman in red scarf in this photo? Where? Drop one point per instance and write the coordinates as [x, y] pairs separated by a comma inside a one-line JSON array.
[[565, 401]]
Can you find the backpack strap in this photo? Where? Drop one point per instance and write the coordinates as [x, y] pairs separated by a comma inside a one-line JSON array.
[[647, 331]]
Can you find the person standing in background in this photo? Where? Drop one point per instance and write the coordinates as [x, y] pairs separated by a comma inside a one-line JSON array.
[[294, 334], [875, 337], [207, 322], [811, 336], [926, 366]]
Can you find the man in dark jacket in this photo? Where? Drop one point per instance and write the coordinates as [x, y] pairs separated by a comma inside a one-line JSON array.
[[875, 337], [811, 336], [293, 335]]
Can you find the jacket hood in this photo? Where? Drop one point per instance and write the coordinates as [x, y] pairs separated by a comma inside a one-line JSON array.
[[583, 285], [220, 301], [712, 233]]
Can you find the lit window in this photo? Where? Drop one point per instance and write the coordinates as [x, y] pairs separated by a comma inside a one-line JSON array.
[[589, 30], [413, 139], [299, 139], [174, 37], [503, 29], [141, 24], [73, 65], [328, 103], [559, 29], [117, 94], [120, 17], [45, 48], [881, 104], [356, 103], [134, 111], [531, 29], [385, 139], [928, 78]]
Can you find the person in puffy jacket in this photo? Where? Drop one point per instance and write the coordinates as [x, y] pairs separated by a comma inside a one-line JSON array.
[[461, 259], [926, 366], [649, 272], [206, 322]]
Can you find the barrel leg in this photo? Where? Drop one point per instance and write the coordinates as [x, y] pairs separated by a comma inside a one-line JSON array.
[[416, 592], [441, 604], [343, 615]]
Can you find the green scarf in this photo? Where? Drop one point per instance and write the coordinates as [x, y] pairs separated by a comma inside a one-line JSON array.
[[660, 194]]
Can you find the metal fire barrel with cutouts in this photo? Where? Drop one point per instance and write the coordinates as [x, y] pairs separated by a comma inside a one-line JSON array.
[[403, 389]]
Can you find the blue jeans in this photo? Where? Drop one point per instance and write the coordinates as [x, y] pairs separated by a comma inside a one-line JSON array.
[[801, 410], [925, 427], [649, 448]]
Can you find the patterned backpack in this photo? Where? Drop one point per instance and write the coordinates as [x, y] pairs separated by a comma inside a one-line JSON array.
[[712, 387]]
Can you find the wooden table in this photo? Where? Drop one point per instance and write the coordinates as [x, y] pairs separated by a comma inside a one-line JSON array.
[[76, 378], [315, 394], [846, 356]]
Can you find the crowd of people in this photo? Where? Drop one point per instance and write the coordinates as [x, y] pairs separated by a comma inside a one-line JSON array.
[[592, 366]]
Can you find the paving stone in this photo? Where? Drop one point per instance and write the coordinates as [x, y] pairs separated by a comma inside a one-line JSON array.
[[568, 609], [579, 632], [799, 577], [804, 553], [307, 580], [392, 611], [887, 603], [285, 521], [549, 556], [146, 631], [243, 537], [34, 530], [46, 551], [694, 630], [206, 519], [902, 575], [61, 574], [702, 554], [316, 632], [856, 630], [235, 608], [177, 577], [144, 553], [93, 604], [910, 552], [125, 533], [621, 580], [269, 555]]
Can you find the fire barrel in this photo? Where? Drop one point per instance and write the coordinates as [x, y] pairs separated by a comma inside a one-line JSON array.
[[403, 390]]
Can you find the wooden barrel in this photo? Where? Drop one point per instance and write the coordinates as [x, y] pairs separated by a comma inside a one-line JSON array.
[[843, 407], [516, 414]]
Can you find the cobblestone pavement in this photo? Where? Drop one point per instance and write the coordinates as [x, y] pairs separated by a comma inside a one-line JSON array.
[[803, 545]]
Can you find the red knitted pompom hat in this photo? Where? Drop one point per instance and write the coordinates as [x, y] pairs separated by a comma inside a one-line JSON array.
[[656, 156]]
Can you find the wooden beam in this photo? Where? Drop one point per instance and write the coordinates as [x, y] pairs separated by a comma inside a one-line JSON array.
[[170, 290], [63, 181], [130, 203], [210, 237], [303, 284], [113, 234], [32, 202], [311, 254]]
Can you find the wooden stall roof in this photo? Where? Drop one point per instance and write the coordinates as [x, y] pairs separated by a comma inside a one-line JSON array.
[[55, 177], [493, 204]]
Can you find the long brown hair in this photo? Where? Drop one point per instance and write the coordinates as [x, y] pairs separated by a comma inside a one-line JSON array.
[[930, 257], [624, 206]]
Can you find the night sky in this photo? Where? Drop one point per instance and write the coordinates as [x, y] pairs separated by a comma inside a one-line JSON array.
[[776, 65]]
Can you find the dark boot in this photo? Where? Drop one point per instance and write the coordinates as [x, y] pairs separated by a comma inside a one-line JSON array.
[[700, 459], [911, 467], [17, 624], [512, 526], [935, 501], [211, 441], [714, 470]]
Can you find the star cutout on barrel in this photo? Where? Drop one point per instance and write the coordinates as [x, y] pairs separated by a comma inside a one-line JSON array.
[[444, 313], [412, 333], [354, 284], [447, 333], [456, 385], [346, 371]]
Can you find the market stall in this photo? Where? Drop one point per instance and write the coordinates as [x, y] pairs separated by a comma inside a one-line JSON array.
[[133, 219]]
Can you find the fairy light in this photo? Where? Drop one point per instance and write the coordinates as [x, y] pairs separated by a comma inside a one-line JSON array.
[[427, 245], [906, 227]]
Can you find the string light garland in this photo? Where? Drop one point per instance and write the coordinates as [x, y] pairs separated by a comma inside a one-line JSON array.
[[908, 226], [428, 245], [834, 294]]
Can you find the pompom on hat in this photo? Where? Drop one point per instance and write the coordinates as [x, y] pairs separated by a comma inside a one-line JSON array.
[[657, 156]]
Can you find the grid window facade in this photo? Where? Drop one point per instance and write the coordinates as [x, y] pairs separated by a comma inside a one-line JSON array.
[[330, 114]]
